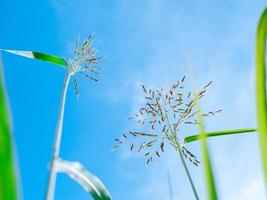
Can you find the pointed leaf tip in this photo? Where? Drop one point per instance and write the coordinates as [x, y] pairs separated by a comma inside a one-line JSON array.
[[39, 56]]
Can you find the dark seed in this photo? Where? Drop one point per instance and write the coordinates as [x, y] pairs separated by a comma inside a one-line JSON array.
[[162, 146], [144, 88]]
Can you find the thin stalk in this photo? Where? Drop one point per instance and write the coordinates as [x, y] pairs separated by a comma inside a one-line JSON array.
[[56, 147], [211, 186], [177, 147], [187, 170]]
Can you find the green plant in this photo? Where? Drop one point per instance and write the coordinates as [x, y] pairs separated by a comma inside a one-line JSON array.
[[162, 116], [195, 137], [84, 61], [164, 113], [261, 88], [209, 177], [8, 186]]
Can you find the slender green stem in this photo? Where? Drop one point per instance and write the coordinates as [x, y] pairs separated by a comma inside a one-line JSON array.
[[56, 147], [187, 170], [177, 147]]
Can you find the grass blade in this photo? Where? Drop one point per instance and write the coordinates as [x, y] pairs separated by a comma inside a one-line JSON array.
[[195, 137], [212, 193], [208, 172], [261, 88], [39, 56], [8, 187], [87, 180], [56, 148]]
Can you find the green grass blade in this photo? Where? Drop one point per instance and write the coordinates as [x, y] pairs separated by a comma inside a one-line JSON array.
[[8, 187], [195, 137], [39, 56], [261, 88], [210, 182], [87, 180]]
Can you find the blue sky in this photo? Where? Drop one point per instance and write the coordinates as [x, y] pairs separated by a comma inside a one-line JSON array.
[[143, 42]]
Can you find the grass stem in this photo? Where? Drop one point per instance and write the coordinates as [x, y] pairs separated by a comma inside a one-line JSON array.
[[56, 147], [177, 147], [187, 171]]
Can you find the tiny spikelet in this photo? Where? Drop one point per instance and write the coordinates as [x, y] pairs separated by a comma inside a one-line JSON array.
[[150, 143], [218, 111], [189, 94], [144, 134], [162, 146], [114, 148], [88, 76], [144, 89], [76, 85], [191, 157], [183, 79], [132, 133], [206, 86], [141, 147]]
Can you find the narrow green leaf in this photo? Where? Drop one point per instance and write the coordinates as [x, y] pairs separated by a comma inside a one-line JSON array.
[[195, 137], [87, 180], [210, 182], [261, 88], [8, 187], [39, 56]]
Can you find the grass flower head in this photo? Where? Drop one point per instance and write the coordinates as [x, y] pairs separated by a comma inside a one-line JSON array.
[[161, 117]]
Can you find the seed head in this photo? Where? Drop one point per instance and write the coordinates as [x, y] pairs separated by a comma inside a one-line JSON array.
[[164, 112], [85, 62]]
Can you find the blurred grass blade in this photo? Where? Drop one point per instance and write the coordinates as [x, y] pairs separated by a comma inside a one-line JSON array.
[[261, 88], [8, 187], [211, 187], [88, 181], [39, 56], [195, 137], [208, 173]]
